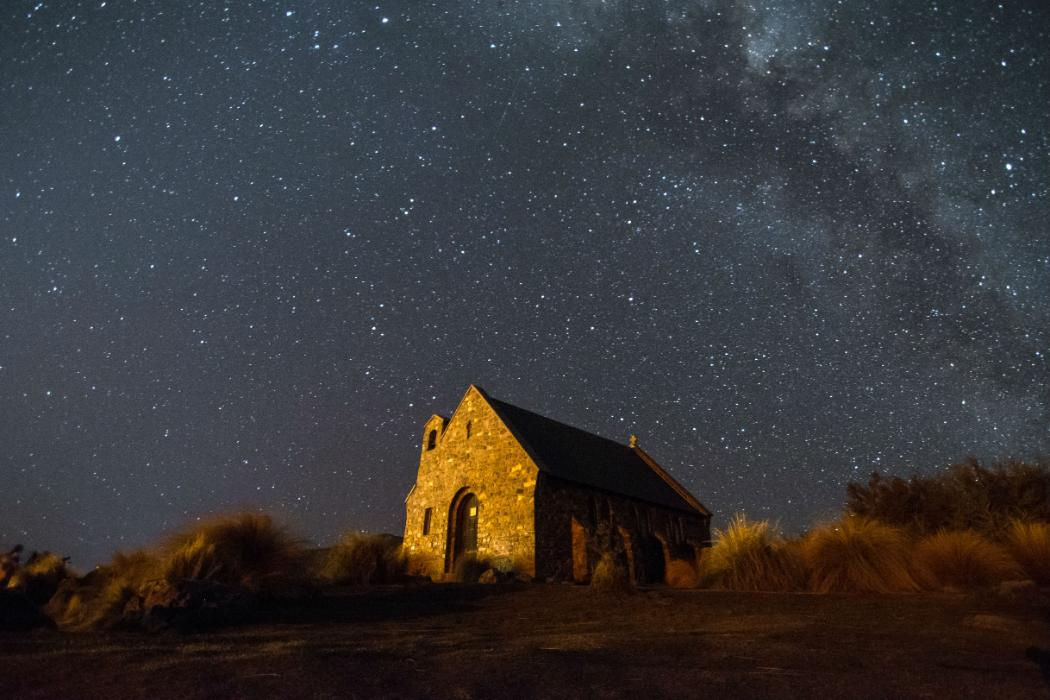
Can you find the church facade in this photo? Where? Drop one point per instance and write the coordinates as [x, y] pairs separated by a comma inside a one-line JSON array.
[[524, 492]]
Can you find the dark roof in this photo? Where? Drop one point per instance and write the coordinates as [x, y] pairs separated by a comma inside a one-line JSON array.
[[575, 455]]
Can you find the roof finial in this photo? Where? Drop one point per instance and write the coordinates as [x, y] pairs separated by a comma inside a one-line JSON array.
[[632, 441]]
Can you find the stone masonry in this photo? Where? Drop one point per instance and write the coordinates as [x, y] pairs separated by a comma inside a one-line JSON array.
[[491, 464], [532, 522]]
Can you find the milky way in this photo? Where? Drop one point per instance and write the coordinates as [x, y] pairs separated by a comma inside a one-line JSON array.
[[247, 248]]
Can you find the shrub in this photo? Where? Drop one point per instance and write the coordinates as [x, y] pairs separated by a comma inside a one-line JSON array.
[[965, 496], [961, 559], [681, 574], [750, 556], [858, 555], [610, 575], [365, 559], [247, 550], [1029, 543]]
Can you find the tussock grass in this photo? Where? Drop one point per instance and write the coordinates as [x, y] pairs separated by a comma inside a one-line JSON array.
[[97, 600], [365, 559], [858, 555], [749, 555], [248, 550], [610, 575], [681, 574], [1029, 544], [961, 559]]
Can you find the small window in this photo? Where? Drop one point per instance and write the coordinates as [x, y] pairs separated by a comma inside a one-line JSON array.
[[426, 520], [432, 440], [468, 429]]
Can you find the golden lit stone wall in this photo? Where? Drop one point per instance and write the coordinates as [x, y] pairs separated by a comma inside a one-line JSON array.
[[493, 466]]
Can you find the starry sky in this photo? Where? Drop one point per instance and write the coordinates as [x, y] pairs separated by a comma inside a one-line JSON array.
[[247, 248]]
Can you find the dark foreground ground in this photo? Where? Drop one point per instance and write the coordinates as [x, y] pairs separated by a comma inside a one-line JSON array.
[[564, 641]]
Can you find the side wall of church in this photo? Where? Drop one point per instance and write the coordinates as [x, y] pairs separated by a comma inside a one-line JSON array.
[[475, 452], [575, 524]]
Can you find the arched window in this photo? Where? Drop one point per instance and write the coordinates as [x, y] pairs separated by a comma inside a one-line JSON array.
[[468, 429], [432, 439]]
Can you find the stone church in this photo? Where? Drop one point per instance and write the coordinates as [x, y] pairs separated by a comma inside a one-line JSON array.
[[543, 498]]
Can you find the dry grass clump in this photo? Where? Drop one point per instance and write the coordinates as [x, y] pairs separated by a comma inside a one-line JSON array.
[[961, 559], [248, 550], [610, 575], [681, 574], [1029, 544], [97, 600], [858, 555], [750, 556], [365, 559]]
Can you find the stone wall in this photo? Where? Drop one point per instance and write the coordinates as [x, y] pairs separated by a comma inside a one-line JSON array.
[[644, 535], [491, 464]]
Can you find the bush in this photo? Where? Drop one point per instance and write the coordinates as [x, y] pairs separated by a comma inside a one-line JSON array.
[[610, 575], [961, 559], [247, 550], [365, 559], [965, 496], [1029, 544], [750, 556], [681, 574], [858, 555]]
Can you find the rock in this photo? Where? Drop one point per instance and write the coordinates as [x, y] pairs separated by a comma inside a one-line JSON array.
[[489, 576], [188, 605]]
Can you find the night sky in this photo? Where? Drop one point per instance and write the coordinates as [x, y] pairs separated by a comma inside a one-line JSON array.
[[248, 248]]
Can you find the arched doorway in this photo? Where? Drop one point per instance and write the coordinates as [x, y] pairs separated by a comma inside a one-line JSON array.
[[462, 530]]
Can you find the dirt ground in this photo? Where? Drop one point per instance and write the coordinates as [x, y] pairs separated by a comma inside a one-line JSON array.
[[562, 641]]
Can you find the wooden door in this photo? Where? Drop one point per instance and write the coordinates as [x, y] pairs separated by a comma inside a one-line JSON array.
[[466, 528]]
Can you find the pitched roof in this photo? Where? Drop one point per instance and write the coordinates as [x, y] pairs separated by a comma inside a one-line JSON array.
[[575, 455]]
